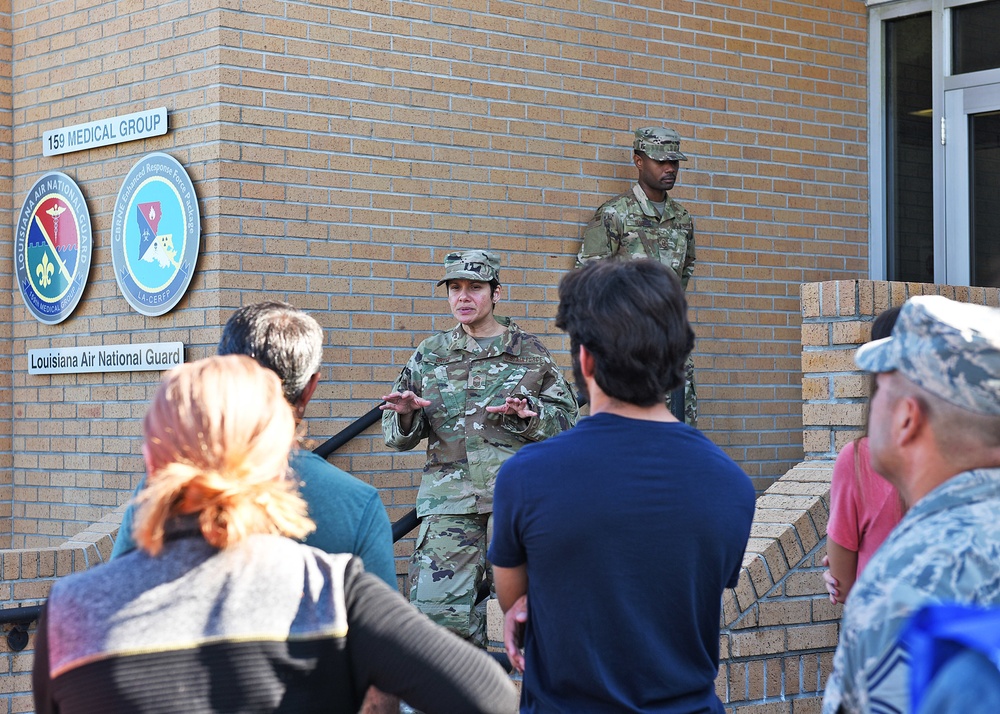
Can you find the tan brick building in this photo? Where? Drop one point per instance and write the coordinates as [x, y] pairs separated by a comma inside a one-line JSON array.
[[341, 148]]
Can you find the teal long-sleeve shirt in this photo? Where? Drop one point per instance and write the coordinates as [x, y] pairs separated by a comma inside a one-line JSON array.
[[349, 516]]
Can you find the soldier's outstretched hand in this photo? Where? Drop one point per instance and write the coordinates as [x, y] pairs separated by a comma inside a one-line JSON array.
[[513, 405], [403, 402]]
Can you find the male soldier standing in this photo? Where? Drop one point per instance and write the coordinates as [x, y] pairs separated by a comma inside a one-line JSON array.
[[645, 222]]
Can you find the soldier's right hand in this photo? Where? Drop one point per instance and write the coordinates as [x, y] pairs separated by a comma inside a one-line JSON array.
[[403, 402]]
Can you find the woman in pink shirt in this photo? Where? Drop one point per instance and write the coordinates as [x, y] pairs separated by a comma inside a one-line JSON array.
[[864, 507]]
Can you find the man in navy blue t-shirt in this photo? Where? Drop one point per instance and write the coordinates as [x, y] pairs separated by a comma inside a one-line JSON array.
[[624, 531]]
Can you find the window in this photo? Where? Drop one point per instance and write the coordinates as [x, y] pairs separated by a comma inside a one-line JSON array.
[[935, 126], [974, 45], [909, 140]]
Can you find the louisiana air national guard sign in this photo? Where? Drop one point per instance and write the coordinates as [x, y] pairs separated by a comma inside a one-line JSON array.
[[53, 247], [155, 234]]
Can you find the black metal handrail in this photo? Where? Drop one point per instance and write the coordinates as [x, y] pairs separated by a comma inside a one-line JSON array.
[[19, 618], [348, 432], [410, 520], [405, 524]]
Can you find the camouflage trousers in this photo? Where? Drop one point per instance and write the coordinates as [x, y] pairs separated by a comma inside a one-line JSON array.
[[447, 568], [690, 395]]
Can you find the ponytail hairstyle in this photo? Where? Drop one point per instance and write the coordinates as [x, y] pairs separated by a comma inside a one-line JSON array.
[[217, 438]]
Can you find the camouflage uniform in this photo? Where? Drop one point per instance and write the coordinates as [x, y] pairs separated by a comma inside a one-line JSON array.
[[629, 226], [466, 446], [947, 547]]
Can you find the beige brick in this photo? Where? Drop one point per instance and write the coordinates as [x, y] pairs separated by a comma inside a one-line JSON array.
[[812, 637], [817, 441], [804, 583], [851, 333], [841, 360], [852, 386], [758, 642], [834, 414]]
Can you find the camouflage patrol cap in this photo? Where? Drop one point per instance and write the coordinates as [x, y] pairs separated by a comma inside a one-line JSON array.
[[659, 144], [478, 265], [948, 348]]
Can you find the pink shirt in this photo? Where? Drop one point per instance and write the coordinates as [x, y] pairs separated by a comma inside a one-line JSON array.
[[864, 507]]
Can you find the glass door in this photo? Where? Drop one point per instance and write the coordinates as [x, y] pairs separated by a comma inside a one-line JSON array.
[[972, 185]]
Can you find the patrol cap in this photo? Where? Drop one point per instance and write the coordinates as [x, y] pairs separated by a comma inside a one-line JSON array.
[[659, 144], [949, 348], [478, 265]]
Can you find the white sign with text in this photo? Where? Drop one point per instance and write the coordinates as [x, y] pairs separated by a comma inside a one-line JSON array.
[[106, 358], [103, 132]]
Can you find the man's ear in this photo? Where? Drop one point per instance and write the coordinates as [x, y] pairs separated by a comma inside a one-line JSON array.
[[910, 419], [497, 294], [587, 366], [307, 393], [637, 160]]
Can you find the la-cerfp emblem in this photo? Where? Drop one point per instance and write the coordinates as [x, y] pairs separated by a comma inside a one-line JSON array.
[[53, 247], [155, 234]]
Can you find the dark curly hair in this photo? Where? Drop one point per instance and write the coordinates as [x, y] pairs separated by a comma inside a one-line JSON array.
[[632, 317]]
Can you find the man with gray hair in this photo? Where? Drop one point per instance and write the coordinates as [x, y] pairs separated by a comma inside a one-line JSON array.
[[349, 514], [934, 434]]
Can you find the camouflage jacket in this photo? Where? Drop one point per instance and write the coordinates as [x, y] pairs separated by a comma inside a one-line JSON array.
[[628, 227], [466, 444], [946, 549]]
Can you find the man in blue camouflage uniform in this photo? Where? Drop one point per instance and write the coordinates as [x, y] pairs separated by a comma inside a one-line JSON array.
[[645, 222], [477, 393], [934, 434]]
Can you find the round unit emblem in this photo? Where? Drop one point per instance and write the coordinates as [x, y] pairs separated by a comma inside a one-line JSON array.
[[155, 234], [53, 247]]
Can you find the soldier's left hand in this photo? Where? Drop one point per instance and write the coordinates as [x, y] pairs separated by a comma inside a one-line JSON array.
[[513, 405]]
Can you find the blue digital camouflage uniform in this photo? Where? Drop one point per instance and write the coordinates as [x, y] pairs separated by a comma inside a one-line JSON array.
[[946, 549], [465, 448], [627, 227]]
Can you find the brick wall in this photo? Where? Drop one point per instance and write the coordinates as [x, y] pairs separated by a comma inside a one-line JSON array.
[[76, 447], [836, 319], [28, 575], [6, 271], [340, 149], [779, 629]]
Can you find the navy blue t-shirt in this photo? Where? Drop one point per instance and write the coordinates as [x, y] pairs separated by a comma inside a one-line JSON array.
[[630, 529]]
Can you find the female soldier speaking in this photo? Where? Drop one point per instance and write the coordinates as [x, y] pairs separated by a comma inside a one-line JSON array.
[[478, 393]]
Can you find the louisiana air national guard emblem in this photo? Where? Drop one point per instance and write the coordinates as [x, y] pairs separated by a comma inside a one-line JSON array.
[[53, 246], [155, 234]]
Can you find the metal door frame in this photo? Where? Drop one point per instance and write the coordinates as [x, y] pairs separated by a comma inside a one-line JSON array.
[[959, 103]]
